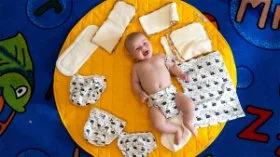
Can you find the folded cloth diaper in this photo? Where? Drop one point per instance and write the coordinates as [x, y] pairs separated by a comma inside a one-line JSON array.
[[85, 90], [167, 140], [160, 19], [187, 42], [137, 144], [102, 128], [211, 90], [164, 100], [78, 52], [109, 34]]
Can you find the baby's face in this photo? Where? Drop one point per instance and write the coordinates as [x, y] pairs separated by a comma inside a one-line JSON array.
[[140, 48]]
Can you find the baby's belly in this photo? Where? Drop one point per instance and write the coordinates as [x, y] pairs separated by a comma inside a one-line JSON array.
[[152, 83]]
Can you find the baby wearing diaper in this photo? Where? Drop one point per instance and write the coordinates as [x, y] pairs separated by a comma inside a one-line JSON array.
[[151, 81]]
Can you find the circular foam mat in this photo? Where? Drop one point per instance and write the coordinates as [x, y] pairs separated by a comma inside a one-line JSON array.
[[119, 98]]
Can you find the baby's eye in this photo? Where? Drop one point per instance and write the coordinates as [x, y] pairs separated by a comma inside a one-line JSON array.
[[145, 43], [138, 49]]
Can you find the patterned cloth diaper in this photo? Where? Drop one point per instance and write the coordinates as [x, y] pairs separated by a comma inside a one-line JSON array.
[[85, 90], [164, 100], [102, 128], [137, 144]]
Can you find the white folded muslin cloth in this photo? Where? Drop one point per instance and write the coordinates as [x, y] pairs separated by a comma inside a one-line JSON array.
[[78, 52], [109, 34], [167, 140], [160, 19], [189, 41]]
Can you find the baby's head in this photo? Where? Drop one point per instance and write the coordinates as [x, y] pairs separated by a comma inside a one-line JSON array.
[[138, 46]]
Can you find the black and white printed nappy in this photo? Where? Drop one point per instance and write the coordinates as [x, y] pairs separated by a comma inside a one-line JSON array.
[[164, 100], [102, 128], [137, 144], [85, 90]]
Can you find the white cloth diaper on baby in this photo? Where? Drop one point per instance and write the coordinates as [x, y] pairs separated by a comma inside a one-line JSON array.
[[164, 100]]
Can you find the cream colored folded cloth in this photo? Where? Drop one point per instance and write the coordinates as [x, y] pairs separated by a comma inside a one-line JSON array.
[[160, 19], [109, 34], [167, 140], [78, 52], [187, 42]]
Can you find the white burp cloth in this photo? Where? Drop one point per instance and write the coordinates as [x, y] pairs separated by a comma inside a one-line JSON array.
[[160, 19], [109, 34], [167, 140], [78, 52], [189, 41], [211, 89], [102, 127], [85, 90], [136, 144]]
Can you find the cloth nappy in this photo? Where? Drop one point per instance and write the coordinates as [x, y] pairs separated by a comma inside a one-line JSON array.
[[187, 42], [102, 128], [73, 58], [85, 90], [160, 19], [165, 101], [136, 145], [110, 32]]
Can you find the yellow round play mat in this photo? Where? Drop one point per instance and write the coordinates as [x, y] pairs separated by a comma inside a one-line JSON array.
[[118, 99]]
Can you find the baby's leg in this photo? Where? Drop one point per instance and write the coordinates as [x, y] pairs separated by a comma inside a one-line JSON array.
[[160, 123], [186, 105]]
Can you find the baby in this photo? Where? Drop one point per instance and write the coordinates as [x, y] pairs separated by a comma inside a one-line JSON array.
[[151, 81]]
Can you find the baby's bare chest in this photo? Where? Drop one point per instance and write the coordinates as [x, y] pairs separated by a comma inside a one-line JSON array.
[[152, 67]]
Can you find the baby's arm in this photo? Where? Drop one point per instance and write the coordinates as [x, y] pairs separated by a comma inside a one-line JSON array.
[[137, 87], [175, 70]]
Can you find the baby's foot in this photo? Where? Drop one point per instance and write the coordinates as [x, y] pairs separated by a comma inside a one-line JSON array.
[[190, 126], [178, 135]]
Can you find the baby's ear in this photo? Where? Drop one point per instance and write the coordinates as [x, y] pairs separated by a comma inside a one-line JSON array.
[[128, 53]]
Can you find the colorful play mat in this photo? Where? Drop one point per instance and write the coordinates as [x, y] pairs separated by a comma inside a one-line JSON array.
[[37, 117]]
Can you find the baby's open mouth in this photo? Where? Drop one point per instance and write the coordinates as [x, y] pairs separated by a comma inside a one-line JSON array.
[[146, 53]]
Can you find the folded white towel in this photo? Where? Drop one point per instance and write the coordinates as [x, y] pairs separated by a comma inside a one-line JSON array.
[[78, 52], [189, 41], [160, 19], [167, 140], [109, 34]]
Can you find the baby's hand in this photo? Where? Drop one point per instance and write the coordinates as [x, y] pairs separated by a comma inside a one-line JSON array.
[[184, 77], [143, 97]]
